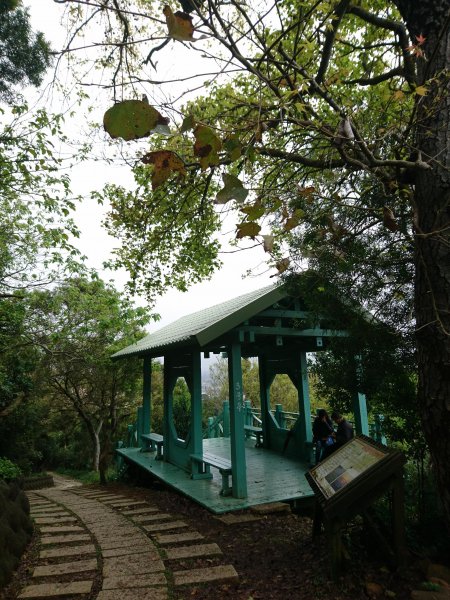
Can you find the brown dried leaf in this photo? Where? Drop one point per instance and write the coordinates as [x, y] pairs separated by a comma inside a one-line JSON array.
[[165, 163]]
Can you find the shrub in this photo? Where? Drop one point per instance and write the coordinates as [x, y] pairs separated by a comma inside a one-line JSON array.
[[16, 527], [9, 470]]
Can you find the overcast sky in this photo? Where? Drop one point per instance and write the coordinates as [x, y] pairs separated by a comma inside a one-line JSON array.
[[97, 245]]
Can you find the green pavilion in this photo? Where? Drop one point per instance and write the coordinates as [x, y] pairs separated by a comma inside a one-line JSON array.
[[260, 457]]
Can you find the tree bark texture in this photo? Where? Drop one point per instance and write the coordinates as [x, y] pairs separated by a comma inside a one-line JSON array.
[[432, 227]]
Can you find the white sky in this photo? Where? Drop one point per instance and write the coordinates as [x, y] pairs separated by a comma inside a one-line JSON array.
[[97, 245]]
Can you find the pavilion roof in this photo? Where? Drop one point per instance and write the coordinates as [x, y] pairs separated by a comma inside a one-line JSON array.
[[206, 325]]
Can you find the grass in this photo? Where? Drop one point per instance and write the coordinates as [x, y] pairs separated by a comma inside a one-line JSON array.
[[85, 476]]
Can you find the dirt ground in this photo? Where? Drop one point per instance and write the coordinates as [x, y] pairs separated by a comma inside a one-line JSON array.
[[275, 557]]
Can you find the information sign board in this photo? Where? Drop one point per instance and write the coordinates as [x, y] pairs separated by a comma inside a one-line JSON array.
[[345, 465]]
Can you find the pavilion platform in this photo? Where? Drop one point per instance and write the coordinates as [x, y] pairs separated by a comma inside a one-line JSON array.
[[271, 477]]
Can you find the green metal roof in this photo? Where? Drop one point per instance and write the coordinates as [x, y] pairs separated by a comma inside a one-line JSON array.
[[206, 325]]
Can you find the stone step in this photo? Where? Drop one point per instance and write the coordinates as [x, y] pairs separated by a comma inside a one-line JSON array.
[[139, 511], [65, 539], [176, 538], [155, 527], [271, 507], [152, 517], [48, 510], [77, 566], [142, 593], [219, 573], [133, 581], [124, 503], [139, 549], [50, 590], [132, 564], [193, 551], [231, 519], [54, 520], [69, 551], [61, 529]]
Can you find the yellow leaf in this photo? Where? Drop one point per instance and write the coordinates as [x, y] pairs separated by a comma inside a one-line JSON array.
[[282, 265], [247, 229], [398, 95], [179, 25], [421, 90]]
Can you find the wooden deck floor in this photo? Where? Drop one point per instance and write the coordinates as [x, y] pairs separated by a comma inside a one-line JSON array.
[[270, 477]]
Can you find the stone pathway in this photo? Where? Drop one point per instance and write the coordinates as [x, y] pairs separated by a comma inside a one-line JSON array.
[[125, 548]]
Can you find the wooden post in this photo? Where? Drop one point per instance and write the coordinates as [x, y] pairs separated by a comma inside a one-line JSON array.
[[248, 415], [237, 438], [196, 404], [398, 519], [168, 407], [211, 434], [334, 541], [359, 403], [139, 425], [226, 418], [264, 399], [304, 404], [146, 395], [279, 416]]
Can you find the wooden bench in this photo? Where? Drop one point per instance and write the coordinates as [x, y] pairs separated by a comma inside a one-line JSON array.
[[201, 464], [152, 440], [256, 431]]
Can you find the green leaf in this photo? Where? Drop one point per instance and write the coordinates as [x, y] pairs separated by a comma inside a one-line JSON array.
[[254, 211], [233, 190], [247, 229], [207, 146], [134, 119], [188, 124], [233, 147]]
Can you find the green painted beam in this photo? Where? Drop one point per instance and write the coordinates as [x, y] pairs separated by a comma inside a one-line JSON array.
[[285, 313], [288, 331]]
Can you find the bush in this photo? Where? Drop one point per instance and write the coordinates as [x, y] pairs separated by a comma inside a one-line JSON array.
[[9, 470], [16, 527]]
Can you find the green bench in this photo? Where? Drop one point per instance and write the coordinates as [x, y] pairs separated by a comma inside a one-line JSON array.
[[152, 441], [257, 432], [201, 464]]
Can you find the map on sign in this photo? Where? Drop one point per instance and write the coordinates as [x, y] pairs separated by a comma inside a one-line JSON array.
[[345, 465]]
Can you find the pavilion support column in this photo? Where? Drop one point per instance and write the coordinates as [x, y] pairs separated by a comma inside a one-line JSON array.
[[168, 407], [237, 437], [359, 402], [147, 395], [264, 395], [196, 404], [303, 401]]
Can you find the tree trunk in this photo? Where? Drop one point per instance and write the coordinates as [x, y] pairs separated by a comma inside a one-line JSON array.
[[96, 456], [432, 221]]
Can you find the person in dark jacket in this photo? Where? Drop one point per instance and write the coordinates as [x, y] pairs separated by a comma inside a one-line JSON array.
[[344, 433], [322, 433]]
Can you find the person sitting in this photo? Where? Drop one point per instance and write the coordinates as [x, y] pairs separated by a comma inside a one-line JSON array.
[[344, 433], [322, 433]]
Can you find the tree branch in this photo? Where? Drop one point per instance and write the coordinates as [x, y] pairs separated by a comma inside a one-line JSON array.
[[330, 37]]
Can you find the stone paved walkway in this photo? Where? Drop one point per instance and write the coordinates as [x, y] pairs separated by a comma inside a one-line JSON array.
[[91, 539]]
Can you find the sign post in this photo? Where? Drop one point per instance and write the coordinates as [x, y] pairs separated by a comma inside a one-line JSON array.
[[347, 483]]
